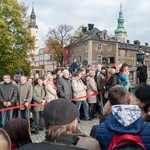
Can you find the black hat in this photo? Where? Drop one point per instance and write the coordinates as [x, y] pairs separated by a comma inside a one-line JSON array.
[[60, 112]]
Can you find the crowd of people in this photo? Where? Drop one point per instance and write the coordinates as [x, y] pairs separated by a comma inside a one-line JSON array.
[[63, 95]]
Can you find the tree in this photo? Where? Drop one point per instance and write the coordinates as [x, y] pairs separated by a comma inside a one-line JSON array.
[[58, 38], [16, 43]]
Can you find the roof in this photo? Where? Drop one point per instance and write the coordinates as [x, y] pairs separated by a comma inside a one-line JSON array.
[[46, 50]]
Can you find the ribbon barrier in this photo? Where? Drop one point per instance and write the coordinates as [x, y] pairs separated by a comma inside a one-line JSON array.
[[34, 105]]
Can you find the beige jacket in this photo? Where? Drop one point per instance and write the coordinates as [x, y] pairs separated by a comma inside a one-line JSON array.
[[51, 93], [88, 143], [78, 89]]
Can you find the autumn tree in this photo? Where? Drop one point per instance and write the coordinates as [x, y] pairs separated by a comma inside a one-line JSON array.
[[16, 43], [57, 38]]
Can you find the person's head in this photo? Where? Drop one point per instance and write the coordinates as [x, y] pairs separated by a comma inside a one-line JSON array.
[[18, 131], [111, 71], [30, 80], [142, 94], [66, 73], [78, 74], [36, 76], [49, 79], [23, 79], [5, 142], [118, 95], [99, 66], [74, 60], [40, 81], [83, 72], [56, 124], [58, 71], [87, 71], [92, 74], [114, 66], [124, 67], [103, 69], [6, 78]]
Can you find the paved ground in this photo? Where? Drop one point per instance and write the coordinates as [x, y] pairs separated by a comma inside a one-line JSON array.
[[84, 126]]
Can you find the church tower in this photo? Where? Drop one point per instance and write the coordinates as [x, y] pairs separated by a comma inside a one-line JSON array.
[[34, 29], [120, 32]]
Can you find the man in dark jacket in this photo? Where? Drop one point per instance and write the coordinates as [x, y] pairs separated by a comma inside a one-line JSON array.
[[64, 85], [142, 73], [124, 119], [60, 118], [8, 94], [74, 66]]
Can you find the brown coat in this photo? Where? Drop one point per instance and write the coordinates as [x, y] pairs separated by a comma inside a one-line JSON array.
[[91, 89], [51, 93]]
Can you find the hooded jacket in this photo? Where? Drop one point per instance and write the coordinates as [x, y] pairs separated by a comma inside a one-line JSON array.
[[125, 119]]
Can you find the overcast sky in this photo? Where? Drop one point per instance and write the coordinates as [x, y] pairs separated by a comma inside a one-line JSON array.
[[102, 13]]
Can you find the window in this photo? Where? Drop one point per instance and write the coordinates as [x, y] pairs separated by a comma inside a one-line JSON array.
[[99, 59], [130, 54], [104, 36], [99, 46], [108, 47], [51, 57]]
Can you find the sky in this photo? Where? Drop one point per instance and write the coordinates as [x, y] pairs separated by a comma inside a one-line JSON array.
[[102, 13]]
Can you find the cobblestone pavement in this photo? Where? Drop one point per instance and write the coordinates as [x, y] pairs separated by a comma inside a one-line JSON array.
[[84, 126]]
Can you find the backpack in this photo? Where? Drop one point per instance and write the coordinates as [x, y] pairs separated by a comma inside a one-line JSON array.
[[126, 142]]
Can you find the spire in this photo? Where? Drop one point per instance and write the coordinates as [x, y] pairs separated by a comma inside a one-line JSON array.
[[33, 18], [120, 29]]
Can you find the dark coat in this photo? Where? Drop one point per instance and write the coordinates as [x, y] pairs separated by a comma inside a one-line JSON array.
[[113, 80], [142, 72], [105, 131], [64, 142], [8, 93], [65, 88]]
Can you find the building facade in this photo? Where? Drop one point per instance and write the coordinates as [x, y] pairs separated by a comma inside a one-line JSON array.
[[95, 46]]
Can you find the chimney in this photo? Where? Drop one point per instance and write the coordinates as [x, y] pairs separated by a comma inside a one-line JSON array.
[[137, 42], [84, 29], [90, 26]]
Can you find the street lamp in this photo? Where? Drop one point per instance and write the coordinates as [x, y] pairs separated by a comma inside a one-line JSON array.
[[140, 56]]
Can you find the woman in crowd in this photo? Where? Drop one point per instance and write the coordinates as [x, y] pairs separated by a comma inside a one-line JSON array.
[[124, 71], [50, 88], [91, 89], [142, 94], [111, 80], [18, 131]]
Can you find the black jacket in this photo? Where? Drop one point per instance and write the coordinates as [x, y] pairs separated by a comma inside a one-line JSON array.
[[8, 93], [113, 80], [142, 72], [65, 88], [64, 142]]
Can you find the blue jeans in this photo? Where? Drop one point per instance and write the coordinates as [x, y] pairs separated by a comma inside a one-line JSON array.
[[5, 116], [85, 109], [23, 114], [37, 117]]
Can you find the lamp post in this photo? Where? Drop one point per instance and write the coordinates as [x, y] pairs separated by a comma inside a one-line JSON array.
[[140, 56]]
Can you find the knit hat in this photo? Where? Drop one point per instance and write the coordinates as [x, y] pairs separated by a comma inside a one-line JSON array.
[[123, 78], [60, 112]]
